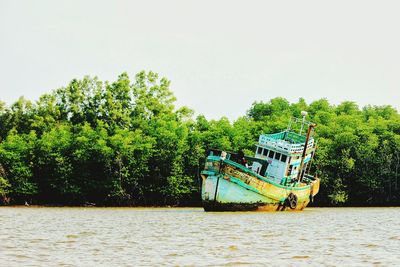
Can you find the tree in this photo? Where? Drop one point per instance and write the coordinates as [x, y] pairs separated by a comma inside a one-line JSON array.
[[17, 157], [124, 143]]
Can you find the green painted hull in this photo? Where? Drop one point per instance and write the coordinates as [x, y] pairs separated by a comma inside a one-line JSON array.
[[234, 188]]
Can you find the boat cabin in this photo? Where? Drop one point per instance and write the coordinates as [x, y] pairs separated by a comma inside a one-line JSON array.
[[282, 152]]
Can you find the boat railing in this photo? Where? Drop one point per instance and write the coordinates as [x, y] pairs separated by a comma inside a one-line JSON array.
[[308, 178], [212, 165], [284, 145]]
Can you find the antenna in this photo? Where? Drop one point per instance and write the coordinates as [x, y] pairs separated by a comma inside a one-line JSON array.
[[304, 114]]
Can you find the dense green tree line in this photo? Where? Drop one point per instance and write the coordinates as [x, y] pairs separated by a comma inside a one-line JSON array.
[[124, 143]]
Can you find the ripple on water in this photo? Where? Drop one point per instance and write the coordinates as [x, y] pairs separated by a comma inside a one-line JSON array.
[[370, 245], [67, 241], [87, 233], [331, 238], [37, 240], [300, 257], [137, 237], [237, 263], [22, 256], [233, 248]]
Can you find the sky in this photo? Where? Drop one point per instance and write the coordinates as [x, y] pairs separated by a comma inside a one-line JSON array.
[[220, 56]]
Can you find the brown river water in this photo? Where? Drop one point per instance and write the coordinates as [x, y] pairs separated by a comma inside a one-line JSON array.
[[191, 237]]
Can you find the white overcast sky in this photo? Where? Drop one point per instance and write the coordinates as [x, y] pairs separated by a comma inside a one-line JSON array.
[[221, 56]]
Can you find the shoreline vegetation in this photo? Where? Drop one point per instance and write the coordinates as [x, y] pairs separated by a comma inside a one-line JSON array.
[[123, 143], [172, 206]]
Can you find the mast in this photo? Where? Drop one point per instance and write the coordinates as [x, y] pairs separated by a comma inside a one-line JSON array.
[[300, 174], [304, 114]]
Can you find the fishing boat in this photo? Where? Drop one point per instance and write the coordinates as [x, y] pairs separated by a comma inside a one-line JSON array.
[[276, 179]]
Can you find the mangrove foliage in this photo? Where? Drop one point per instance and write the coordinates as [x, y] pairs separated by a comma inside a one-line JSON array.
[[124, 143]]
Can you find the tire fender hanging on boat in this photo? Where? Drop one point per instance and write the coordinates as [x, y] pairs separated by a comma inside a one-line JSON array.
[[291, 201]]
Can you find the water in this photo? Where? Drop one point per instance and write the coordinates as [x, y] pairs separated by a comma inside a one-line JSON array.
[[191, 237]]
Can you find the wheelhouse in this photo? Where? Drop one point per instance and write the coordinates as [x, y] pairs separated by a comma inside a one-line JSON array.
[[282, 153]]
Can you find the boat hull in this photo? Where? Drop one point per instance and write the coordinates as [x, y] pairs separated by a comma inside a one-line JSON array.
[[233, 190], [217, 206]]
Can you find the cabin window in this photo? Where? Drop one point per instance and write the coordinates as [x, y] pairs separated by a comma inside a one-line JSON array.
[[259, 150], [265, 152], [271, 154], [277, 156], [283, 158]]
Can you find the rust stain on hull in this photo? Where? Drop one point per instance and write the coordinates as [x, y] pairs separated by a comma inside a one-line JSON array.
[[262, 207]]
